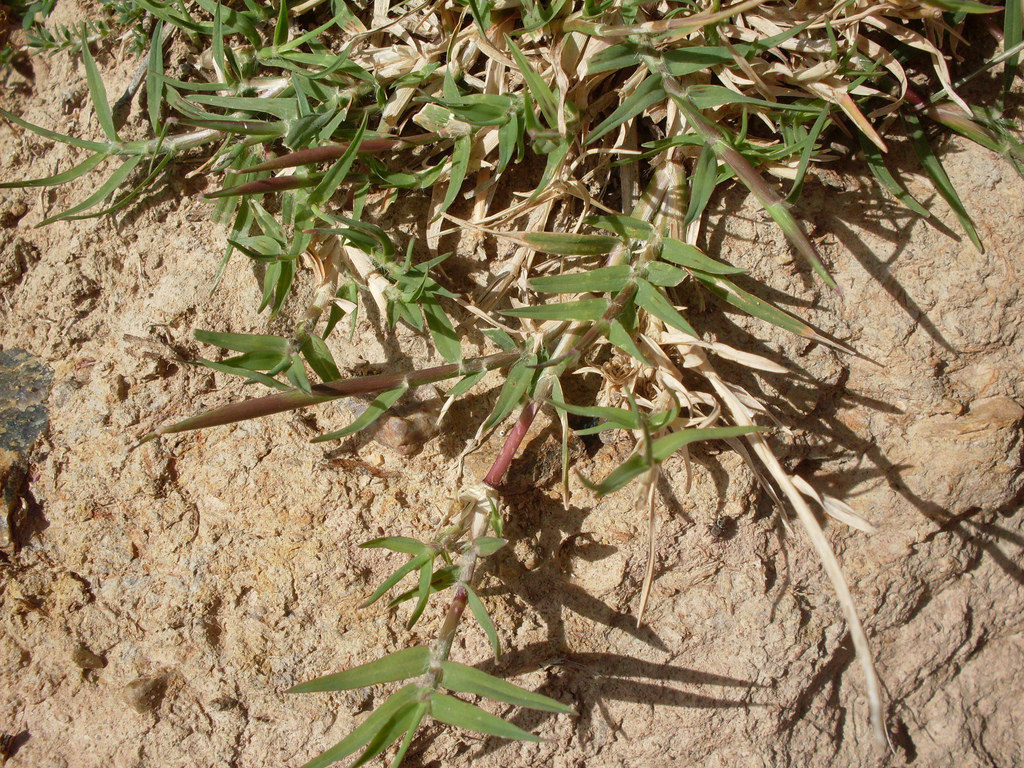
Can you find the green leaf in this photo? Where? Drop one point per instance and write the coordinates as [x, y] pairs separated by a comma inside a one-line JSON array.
[[396, 544], [441, 330], [465, 384], [939, 178], [702, 184], [463, 679], [95, 146], [401, 665], [661, 449], [105, 190], [692, 257], [612, 58], [398, 575], [567, 244], [516, 385], [623, 226], [452, 711], [374, 411], [646, 95], [369, 728], [460, 165], [403, 721], [98, 94], [873, 157], [538, 89], [319, 358], [422, 592], [244, 342], [488, 545], [600, 280], [480, 614], [59, 178], [323, 191], [414, 720], [753, 306], [665, 275], [281, 30], [620, 417], [650, 298], [583, 310]]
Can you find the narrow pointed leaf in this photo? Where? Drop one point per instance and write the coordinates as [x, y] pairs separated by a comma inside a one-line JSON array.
[[397, 576], [105, 190], [646, 95], [463, 679], [154, 76], [401, 665], [650, 298], [323, 191], [376, 409], [452, 711], [401, 722], [483, 619], [939, 178], [369, 728], [516, 385], [690, 256], [59, 178], [46, 133], [568, 244], [244, 342], [396, 544], [583, 310], [98, 94], [878, 168], [600, 280]]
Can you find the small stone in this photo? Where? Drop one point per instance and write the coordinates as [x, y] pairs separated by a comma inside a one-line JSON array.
[[145, 693], [86, 659]]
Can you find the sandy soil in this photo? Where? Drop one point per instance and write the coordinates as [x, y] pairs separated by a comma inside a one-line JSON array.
[[164, 599]]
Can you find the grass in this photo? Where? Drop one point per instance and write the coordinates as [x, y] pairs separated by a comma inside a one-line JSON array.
[[310, 120]]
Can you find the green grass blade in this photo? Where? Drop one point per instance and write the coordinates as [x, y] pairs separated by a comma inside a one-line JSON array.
[[46, 133], [401, 665], [323, 191], [646, 95], [483, 619], [154, 77], [369, 728], [940, 180], [568, 244], [535, 84], [692, 257], [753, 306], [396, 544], [446, 340], [583, 310], [600, 280], [59, 178], [413, 724], [463, 679], [651, 299], [98, 94], [702, 184], [517, 383], [106, 189], [878, 168], [397, 576], [452, 711], [376, 409]]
